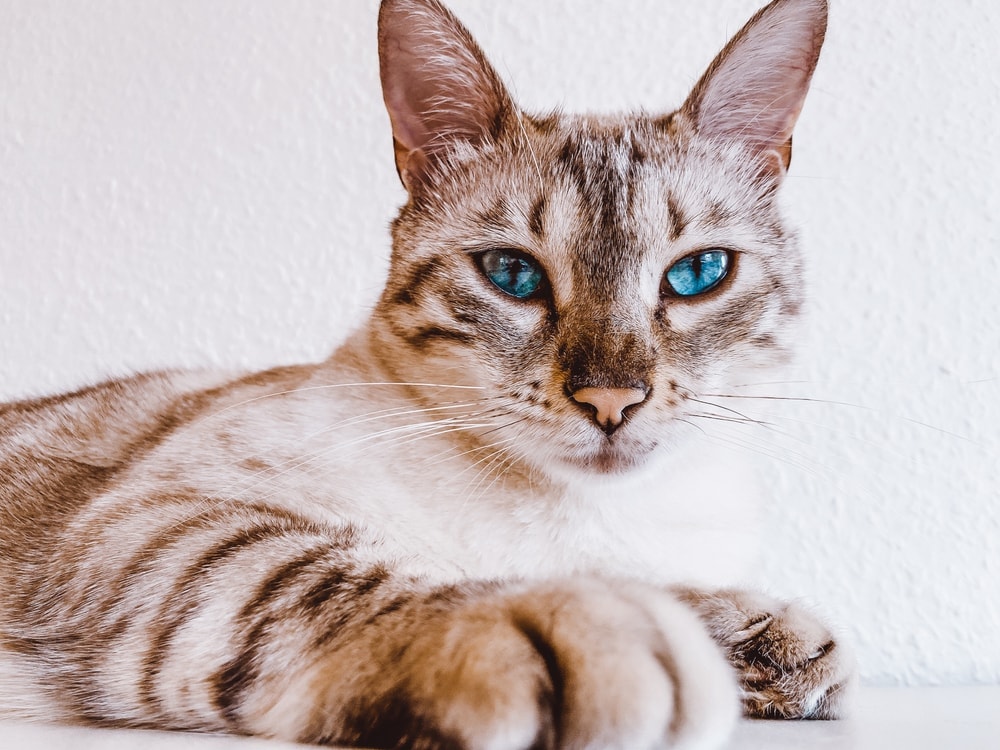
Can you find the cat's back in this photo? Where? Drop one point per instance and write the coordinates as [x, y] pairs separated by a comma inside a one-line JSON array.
[[59, 452], [96, 425]]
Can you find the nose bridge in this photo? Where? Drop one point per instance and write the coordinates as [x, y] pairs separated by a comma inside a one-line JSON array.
[[606, 349]]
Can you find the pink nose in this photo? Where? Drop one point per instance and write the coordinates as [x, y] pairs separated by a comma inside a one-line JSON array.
[[610, 403]]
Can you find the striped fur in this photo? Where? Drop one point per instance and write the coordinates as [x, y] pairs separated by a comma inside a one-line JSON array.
[[427, 541]]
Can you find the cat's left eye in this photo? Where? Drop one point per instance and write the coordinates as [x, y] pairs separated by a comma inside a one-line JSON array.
[[512, 272], [697, 273]]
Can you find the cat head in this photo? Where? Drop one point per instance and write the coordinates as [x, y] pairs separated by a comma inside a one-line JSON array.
[[593, 275]]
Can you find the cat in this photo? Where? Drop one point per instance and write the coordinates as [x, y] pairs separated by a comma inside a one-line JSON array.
[[476, 524]]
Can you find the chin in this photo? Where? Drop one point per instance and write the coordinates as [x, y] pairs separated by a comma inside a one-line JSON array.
[[613, 459]]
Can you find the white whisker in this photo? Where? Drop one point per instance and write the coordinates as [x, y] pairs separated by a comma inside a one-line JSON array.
[[775, 453], [410, 432], [400, 436], [309, 388], [350, 422]]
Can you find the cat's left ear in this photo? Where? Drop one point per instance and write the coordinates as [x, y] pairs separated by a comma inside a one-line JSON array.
[[439, 88], [754, 90]]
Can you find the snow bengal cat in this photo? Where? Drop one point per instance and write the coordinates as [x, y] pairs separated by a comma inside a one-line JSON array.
[[490, 520]]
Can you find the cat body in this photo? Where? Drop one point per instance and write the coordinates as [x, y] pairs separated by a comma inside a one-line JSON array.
[[468, 527], [161, 486]]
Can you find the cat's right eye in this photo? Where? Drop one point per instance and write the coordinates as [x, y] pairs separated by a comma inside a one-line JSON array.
[[512, 272]]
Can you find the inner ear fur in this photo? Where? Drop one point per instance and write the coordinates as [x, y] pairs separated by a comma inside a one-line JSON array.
[[754, 90], [439, 88]]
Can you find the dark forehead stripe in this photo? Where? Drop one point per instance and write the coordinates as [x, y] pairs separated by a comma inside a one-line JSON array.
[[604, 168], [536, 217], [678, 221], [497, 215]]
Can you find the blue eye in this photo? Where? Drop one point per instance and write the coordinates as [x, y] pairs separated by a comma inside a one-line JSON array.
[[698, 273], [512, 272]]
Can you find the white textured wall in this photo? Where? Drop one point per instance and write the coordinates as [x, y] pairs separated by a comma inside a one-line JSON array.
[[195, 183]]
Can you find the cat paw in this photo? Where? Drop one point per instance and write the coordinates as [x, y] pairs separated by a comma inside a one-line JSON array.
[[571, 664], [788, 663]]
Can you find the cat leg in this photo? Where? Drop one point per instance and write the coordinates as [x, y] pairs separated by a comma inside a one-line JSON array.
[[581, 663], [248, 619], [788, 663]]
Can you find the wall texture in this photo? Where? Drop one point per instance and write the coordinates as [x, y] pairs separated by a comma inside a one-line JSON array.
[[191, 183]]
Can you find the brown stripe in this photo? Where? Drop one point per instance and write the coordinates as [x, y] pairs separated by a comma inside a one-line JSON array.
[[334, 582], [239, 673], [717, 214], [391, 721], [603, 168], [147, 557], [184, 600], [637, 154], [664, 124], [92, 647], [342, 589], [497, 216], [408, 290], [338, 586], [573, 164], [471, 310], [552, 695], [394, 605], [678, 222], [423, 337], [535, 217], [545, 124], [40, 504]]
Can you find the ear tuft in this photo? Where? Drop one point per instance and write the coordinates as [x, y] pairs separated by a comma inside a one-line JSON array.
[[754, 90], [438, 86]]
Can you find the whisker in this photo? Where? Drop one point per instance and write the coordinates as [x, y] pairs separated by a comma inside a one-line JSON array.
[[862, 407], [720, 418], [502, 457], [508, 457], [309, 388], [802, 399], [508, 424], [487, 447], [776, 453], [268, 474], [770, 383], [845, 433], [805, 462], [485, 466], [402, 436], [741, 415], [353, 421], [450, 453], [692, 424]]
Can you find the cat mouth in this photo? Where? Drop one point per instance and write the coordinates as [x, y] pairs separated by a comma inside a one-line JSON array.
[[612, 458]]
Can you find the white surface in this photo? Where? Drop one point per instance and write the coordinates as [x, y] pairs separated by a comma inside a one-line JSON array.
[[884, 719], [192, 183], [890, 719]]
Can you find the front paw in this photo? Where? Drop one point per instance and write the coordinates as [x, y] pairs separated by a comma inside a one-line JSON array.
[[788, 663], [550, 666]]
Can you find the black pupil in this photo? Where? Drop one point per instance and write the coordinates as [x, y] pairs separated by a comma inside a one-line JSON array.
[[516, 267]]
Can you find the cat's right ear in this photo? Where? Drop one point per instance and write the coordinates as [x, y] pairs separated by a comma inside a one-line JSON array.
[[755, 89], [439, 88]]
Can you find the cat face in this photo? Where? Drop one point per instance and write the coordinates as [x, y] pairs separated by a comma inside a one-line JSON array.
[[591, 275]]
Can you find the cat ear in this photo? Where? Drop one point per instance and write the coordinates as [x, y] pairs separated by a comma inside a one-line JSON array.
[[754, 90], [439, 88]]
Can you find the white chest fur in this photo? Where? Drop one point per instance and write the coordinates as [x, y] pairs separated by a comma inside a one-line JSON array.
[[689, 516]]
